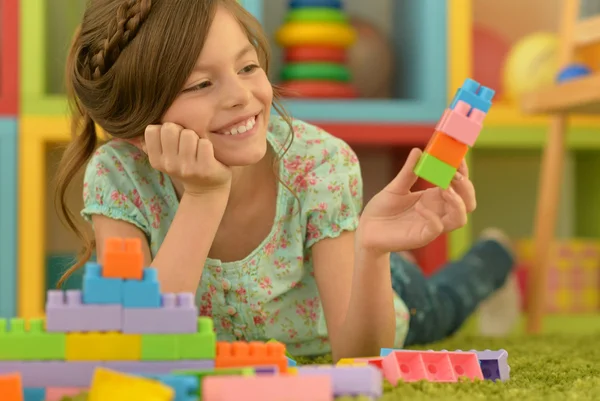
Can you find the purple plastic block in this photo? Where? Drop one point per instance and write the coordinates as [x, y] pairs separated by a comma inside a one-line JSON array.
[[69, 314], [266, 370], [494, 364], [158, 368], [177, 314], [349, 380], [52, 374]]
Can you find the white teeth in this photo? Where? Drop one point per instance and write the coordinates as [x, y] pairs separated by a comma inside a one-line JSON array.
[[243, 127]]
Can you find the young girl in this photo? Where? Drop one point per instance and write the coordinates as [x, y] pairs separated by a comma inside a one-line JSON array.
[[259, 215]]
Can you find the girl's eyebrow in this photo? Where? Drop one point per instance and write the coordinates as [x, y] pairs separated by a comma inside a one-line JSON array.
[[245, 50]]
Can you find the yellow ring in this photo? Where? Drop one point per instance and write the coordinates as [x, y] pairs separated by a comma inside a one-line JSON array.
[[315, 33]]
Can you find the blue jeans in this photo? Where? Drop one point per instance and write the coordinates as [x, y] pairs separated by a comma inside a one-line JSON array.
[[440, 304]]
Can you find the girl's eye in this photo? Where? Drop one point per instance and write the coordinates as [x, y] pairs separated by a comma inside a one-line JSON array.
[[197, 87], [250, 68]]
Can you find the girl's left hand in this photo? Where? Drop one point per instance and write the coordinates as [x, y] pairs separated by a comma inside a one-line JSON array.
[[397, 219]]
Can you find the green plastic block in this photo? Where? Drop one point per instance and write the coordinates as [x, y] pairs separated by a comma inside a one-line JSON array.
[[202, 373], [435, 171], [200, 345], [160, 347], [18, 344]]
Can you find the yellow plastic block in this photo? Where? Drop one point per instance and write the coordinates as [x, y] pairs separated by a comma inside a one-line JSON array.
[[103, 347], [292, 371], [115, 386], [351, 362]]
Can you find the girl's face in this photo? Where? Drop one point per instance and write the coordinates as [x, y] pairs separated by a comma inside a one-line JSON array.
[[228, 97]]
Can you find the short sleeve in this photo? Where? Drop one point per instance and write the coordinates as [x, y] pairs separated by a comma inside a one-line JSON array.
[[110, 186], [333, 196]]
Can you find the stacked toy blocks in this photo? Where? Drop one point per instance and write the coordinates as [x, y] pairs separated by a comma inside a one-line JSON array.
[[316, 37], [457, 130]]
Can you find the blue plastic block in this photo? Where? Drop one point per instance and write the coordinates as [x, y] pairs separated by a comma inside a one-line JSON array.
[[387, 351], [316, 3], [573, 71], [291, 362], [186, 388], [143, 293], [34, 394], [100, 290], [475, 95]]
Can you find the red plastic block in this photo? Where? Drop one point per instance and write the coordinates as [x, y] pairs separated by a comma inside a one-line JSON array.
[[11, 387], [9, 60], [267, 388], [123, 259], [463, 123], [447, 149], [249, 354]]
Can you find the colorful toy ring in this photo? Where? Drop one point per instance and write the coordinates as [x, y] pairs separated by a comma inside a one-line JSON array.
[[315, 71], [315, 33], [316, 14], [323, 54], [294, 4], [318, 89]]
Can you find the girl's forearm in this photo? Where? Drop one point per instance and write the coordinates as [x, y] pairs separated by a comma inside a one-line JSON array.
[[181, 257], [370, 323]]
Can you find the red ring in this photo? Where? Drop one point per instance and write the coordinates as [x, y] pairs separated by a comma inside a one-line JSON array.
[[324, 54], [318, 89]]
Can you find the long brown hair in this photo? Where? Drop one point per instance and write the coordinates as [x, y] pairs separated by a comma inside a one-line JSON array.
[[116, 76]]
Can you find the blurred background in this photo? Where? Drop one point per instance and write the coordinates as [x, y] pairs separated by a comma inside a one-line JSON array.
[[383, 93]]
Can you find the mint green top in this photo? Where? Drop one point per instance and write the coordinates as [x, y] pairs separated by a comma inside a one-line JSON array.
[[272, 292]]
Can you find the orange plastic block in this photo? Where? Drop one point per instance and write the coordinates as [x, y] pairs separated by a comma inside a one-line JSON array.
[[123, 259], [268, 388], [11, 387], [447, 149], [249, 354]]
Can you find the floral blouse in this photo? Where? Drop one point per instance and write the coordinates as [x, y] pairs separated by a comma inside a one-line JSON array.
[[271, 293]]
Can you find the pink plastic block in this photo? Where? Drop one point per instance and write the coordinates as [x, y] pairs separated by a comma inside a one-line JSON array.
[[438, 367], [461, 125], [57, 393], [349, 380], [267, 388], [466, 364], [403, 365], [66, 312], [177, 314]]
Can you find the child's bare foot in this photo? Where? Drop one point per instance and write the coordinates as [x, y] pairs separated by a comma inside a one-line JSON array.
[[501, 311]]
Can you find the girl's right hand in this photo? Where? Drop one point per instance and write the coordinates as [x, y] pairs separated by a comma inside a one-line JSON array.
[[184, 155]]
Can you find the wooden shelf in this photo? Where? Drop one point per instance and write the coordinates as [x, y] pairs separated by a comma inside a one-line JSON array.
[[579, 96]]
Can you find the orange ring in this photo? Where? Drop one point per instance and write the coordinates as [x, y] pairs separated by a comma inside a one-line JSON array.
[[324, 54], [318, 89]]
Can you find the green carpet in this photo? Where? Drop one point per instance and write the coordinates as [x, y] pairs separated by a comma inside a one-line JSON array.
[[561, 365]]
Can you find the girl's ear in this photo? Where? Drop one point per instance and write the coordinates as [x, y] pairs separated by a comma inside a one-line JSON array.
[[138, 143]]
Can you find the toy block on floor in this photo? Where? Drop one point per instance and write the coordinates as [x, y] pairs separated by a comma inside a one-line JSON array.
[[494, 364], [186, 388], [447, 149], [240, 354], [51, 373], [177, 314], [123, 258], [435, 171], [116, 386], [59, 393], [103, 347], [158, 367], [11, 387], [98, 289], [202, 373], [349, 380], [462, 123], [199, 345], [473, 93], [19, 344], [268, 388], [66, 312], [34, 394], [143, 293]]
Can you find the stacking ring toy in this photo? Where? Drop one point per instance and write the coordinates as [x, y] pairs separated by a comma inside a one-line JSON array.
[[316, 3], [315, 33], [316, 14], [315, 72], [315, 54], [318, 89]]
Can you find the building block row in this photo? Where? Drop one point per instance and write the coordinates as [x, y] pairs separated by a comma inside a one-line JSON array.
[[240, 354], [268, 388], [66, 312], [116, 386], [123, 259], [17, 343], [143, 293], [61, 374], [349, 380]]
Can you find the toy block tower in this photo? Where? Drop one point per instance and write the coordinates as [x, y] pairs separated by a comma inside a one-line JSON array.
[[315, 38], [456, 131]]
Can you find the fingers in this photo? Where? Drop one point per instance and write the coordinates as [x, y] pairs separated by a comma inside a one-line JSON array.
[[169, 138], [406, 178], [433, 226], [456, 215], [153, 147], [188, 145], [463, 169], [466, 191]]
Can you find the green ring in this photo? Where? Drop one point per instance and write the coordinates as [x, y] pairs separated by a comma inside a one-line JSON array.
[[315, 71], [316, 14]]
